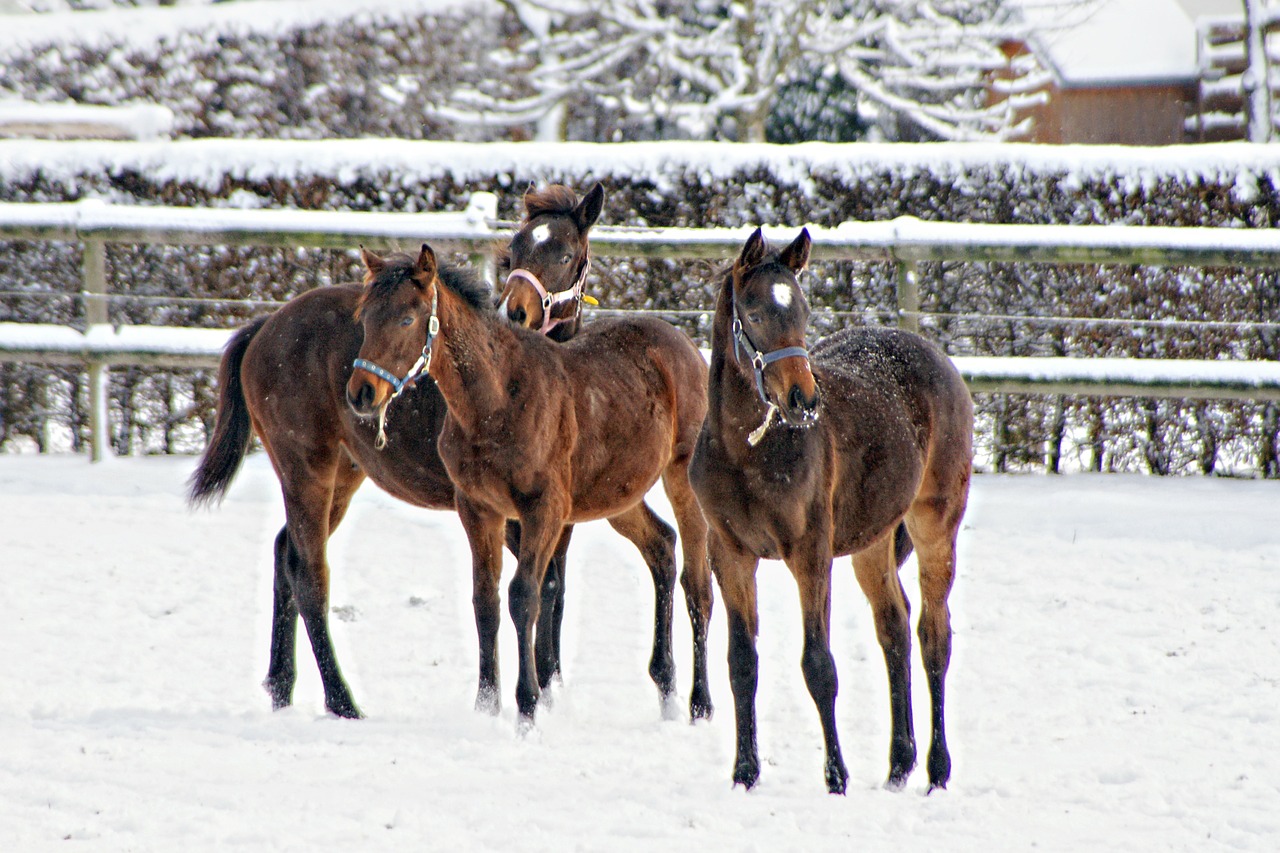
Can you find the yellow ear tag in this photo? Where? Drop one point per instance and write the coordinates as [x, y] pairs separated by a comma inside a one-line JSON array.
[[589, 299]]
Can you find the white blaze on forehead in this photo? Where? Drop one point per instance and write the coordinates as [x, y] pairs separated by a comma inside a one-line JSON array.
[[782, 295], [541, 234]]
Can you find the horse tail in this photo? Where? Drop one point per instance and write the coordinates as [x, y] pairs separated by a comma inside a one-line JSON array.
[[233, 430], [902, 544]]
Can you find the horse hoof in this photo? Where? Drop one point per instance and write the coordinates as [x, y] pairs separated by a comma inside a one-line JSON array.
[[936, 786], [837, 780], [525, 726], [488, 702], [746, 774], [700, 708], [896, 782], [281, 693], [345, 710], [669, 707]]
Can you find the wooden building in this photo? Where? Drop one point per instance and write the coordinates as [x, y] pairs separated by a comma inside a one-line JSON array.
[[1122, 72]]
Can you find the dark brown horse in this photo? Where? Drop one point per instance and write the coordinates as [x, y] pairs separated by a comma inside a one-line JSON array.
[[549, 435], [862, 446], [284, 377]]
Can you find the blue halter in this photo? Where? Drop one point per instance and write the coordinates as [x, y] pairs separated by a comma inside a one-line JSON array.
[[759, 360], [421, 366]]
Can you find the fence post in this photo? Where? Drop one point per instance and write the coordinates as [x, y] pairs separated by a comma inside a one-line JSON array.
[[94, 293], [482, 208], [908, 287]]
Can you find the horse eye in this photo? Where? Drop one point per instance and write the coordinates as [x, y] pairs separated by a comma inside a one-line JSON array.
[[754, 317], [566, 259], [407, 321]]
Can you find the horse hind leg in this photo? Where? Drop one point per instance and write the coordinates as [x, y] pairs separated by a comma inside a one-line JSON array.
[[933, 525], [656, 541], [282, 668], [877, 572], [695, 579], [312, 512]]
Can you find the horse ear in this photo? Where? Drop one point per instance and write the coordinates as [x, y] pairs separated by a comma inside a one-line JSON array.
[[425, 268], [372, 264], [753, 252], [796, 256], [588, 210]]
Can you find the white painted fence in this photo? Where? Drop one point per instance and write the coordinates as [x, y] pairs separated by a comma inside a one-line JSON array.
[[904, 242]]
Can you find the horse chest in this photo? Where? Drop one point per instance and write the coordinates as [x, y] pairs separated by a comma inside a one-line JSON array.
[[766, 508]]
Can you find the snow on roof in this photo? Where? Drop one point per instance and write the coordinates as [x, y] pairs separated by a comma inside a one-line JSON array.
[[1113, 42]]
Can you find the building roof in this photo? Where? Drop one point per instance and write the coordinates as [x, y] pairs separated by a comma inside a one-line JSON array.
[[1120, 42]]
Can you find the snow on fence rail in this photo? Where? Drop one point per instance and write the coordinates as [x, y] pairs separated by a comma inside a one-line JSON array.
[[905, 241]]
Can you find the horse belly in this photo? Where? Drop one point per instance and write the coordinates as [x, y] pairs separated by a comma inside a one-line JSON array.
[[624, 445]]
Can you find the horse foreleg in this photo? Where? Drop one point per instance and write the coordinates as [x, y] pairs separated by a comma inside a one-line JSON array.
[[282, 670], [484, 532], [735, 573], [656, 541], [877, 574], [551, 611], [813, 580], [541, 529]]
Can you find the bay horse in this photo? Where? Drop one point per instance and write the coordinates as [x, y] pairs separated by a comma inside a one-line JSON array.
[[861, 446], [283, 376], [546, 266], [548, 435]]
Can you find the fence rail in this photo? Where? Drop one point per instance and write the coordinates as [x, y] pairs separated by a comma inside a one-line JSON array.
[[905, 242]]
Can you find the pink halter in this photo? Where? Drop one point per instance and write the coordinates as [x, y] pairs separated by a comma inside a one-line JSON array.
[[551, 300]]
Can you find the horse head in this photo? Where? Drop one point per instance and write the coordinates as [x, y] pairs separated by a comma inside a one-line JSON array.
[[769, 318], [398, 316], [549, 258]]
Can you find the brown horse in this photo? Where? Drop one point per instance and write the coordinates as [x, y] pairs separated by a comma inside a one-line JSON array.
[[284, 377], [548, 262], [549, 435], [872, 456]]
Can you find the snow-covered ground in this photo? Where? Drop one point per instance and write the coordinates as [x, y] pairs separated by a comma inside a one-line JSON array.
[[1114, 686]]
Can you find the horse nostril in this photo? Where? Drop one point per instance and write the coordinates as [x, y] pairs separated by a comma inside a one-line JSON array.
[[362, 399], [797, 398], [518, 316]]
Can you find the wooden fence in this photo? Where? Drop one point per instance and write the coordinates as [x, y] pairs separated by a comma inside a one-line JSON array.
[[904, 242]]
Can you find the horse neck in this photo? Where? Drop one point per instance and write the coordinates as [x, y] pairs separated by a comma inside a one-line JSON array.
[[466, 357], [732, 401]]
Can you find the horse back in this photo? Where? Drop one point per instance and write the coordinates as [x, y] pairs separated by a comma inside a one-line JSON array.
[[640, 397], [899, 419], [644, 360]]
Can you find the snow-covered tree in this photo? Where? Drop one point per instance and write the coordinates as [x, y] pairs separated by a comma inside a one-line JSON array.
[[713, 69]]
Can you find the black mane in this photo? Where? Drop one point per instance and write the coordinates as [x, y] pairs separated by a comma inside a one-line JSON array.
[[462, 280], [772, 258]]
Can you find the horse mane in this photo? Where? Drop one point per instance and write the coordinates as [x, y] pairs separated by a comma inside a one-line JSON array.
[[556, 199], [463, 281]]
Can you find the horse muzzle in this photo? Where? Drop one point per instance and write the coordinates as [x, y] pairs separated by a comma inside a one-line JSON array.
[[800, 409], [362, 396]]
